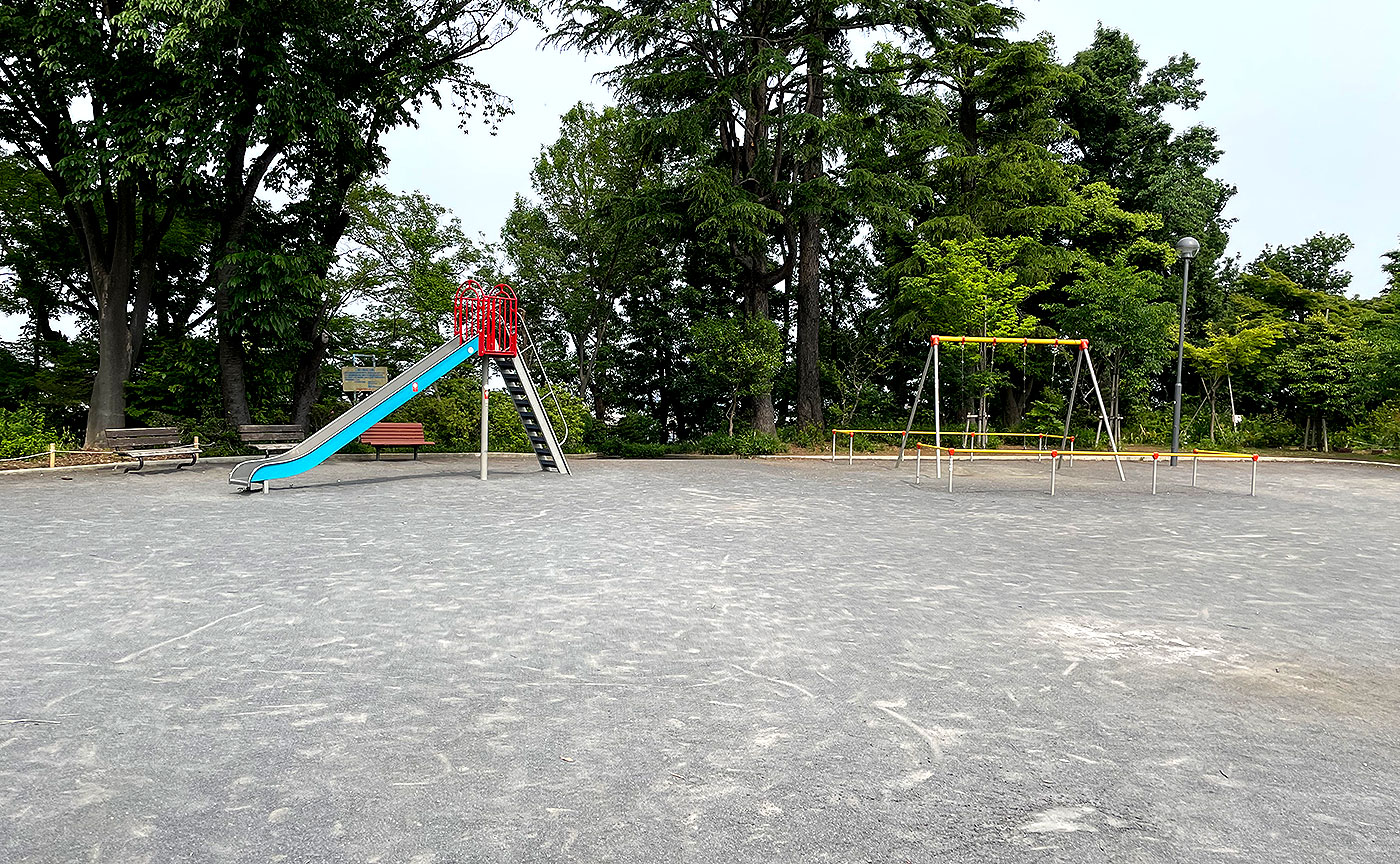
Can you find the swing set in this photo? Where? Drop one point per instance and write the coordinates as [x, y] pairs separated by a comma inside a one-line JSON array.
[[1081, 362]]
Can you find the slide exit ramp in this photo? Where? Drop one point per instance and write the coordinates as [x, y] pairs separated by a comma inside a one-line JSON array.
[[353, 423]]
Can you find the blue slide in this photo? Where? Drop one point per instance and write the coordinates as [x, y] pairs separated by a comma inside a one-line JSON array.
[[353, 423]]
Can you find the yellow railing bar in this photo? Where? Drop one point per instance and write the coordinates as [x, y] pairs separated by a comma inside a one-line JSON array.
[[882, 432], [952, 433], [1142, 454], [1004, 340]]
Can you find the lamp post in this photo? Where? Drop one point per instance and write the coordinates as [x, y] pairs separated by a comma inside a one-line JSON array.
[[1186, 249]]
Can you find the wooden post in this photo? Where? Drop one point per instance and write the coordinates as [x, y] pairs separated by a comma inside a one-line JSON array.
[[51, 455]]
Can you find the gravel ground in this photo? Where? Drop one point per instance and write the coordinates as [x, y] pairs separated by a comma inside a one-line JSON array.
[[708, 661]]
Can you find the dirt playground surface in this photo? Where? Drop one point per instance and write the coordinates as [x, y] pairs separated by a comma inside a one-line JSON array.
[[707, 661]]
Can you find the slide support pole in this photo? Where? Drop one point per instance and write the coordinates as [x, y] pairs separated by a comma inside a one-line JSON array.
[[485, 411]]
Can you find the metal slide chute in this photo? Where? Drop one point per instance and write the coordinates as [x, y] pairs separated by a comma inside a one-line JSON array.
[[353, 423]]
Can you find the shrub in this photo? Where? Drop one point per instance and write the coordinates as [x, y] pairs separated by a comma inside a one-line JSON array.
[[746, 444], [635, 436], [24, 432], [1378, 430], [807, 437]]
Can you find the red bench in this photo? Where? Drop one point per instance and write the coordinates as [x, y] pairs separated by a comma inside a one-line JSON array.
[[382, 435]]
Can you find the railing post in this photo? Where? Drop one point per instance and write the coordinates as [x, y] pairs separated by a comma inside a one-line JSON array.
[[1154, 472], [1054, 454], [1253, 473], [918, 463]]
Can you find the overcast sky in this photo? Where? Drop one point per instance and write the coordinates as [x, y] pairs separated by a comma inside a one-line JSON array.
[[1302, 93]]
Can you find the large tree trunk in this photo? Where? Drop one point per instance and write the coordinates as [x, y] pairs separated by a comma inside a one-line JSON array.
[[306, 382], [809, 295], [765, 420], [112, 270], [107, 406], [240, 189], [233, 376]]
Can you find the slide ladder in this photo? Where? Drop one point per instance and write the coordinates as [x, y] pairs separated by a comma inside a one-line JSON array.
[[527, 404]]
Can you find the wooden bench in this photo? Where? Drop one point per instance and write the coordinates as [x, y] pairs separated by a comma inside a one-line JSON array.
[[382, 435], [143, 444], [272, 439]]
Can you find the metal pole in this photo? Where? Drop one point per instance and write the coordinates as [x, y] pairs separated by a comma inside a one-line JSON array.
[[1195, 461], [485, 411], [1180, 353], [1154, 473], [937, 398], [851, 450], [1071, 451], [918, 464], [950, 469], [1073, 392], [1053, 460], [1039, 446], [1089, 361], [1253, 473], [833, 447], [918, 393]]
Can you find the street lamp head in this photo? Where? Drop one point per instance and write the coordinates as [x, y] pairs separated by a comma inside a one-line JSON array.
[[1187, 247]]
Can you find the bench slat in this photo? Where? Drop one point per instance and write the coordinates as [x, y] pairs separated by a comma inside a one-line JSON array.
[[251, 437], [142, 434], [290, 428], [164, 451]]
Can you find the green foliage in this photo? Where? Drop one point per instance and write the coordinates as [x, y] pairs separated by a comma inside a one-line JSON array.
[[742, 355], [1313, 265], [451, 416], [634, 436], [967, 288], [746, 444], [1379, 429], [24, 431]]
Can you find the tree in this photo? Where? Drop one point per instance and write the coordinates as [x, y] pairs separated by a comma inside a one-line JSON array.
[[714, 84], [118, 174], [593, 236], [969, 288], [197, 109], [1226, 354], [991, 166], [1314, 264], [1326, 373], [1123, 137], [744, 354], [1391, 268], [404, 259]]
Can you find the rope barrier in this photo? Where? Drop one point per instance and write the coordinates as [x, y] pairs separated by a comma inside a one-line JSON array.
[[44, 453]]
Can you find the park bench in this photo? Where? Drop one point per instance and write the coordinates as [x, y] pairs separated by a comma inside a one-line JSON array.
[[382, 435], [272, 439], [147, 443]]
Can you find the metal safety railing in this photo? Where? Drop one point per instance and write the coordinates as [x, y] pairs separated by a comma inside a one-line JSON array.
[[1056, 456], [1065, 440]]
